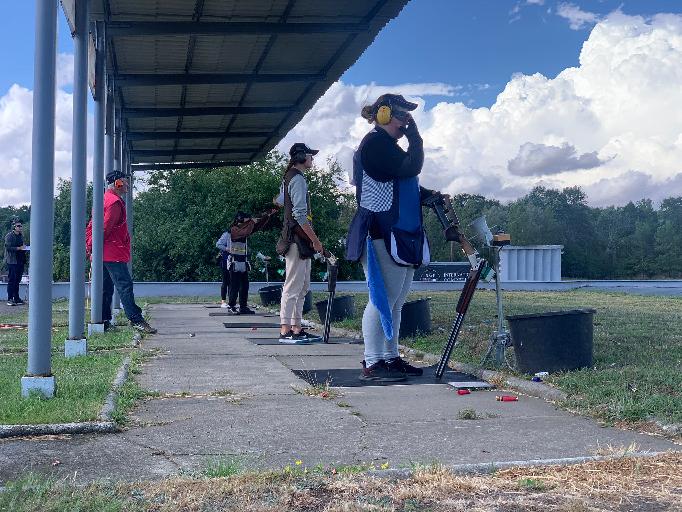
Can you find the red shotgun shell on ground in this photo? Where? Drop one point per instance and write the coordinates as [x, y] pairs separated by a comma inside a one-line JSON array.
[[507, 398]]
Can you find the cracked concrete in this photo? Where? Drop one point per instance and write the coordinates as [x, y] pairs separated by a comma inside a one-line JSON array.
[[222, 396]]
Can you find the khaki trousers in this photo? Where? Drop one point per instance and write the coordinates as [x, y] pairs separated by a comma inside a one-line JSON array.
[[296, 285]]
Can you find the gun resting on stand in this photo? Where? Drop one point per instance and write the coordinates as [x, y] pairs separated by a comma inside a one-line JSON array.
[[450, 223]]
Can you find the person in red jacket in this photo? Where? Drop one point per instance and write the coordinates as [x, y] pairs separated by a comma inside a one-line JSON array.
[[116, 254]]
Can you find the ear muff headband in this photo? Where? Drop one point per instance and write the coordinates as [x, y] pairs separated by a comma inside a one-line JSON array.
[[118, 183], [384, 114]]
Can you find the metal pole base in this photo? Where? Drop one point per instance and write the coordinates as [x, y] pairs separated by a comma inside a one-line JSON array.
[[499, 341], [95, 328], [44, 386], [75, 348]]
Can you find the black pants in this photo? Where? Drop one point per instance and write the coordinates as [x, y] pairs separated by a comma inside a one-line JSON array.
[[116, 274], [225, 284], [239, 285], [14, 273]]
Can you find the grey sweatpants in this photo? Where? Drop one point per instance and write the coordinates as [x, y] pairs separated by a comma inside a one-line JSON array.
[[397, 281]]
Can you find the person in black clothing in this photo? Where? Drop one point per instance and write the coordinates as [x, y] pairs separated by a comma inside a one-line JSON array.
[[387, 234], [15, 257]]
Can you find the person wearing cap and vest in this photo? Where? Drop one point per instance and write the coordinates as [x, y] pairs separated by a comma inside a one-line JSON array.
[[386, 234], [298, 243], [116, 254], [237, 262]]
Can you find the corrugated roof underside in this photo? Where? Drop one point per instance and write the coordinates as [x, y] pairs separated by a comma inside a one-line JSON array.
[[325, 54]]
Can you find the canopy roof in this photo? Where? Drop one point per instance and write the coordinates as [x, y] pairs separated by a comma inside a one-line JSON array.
[[221, 82]]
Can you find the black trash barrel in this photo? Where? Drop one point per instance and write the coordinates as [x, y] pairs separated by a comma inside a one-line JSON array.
[[270, 295], [554, 341], [308, 302], [415, 318], [343, 307]]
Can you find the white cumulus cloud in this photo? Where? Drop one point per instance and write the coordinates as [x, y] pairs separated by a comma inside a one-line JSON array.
[[613, 120], [577, 18], [16, 127]]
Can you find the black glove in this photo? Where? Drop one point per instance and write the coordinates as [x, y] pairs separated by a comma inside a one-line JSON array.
[[410, 129]]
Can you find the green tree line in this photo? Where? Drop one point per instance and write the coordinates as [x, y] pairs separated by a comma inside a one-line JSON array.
[[180, 214]]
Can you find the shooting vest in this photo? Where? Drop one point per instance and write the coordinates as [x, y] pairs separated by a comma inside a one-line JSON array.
[[287, 236], [238, 261], [390, 210]]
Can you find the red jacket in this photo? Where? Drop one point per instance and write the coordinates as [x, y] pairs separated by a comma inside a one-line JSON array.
[[116, 237]]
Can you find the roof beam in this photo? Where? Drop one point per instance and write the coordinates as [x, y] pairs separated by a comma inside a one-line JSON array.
[[212, 78], [186, 165], [133, 112], [153, 28], [190, 151], [133, 136]]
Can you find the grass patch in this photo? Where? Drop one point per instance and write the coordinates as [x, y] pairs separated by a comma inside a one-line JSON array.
[[637, 373], [223, 467], [34, 493], [323, 391], [19, 314], [532, 484], [621, 484], [82, 386], [82, 383], [468, 414]]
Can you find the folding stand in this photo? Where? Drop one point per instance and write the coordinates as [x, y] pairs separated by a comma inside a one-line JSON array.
[[499, 339]]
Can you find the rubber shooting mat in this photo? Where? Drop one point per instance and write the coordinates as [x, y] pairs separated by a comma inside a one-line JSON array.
[[350, 378], [225, 313], [332, 341], [249, 325]]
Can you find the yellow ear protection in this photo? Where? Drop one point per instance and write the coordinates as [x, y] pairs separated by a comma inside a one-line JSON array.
[[384, 114]]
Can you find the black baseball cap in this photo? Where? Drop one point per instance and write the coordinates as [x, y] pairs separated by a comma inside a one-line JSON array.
[[396, 101], [299, 147], [115, 175]]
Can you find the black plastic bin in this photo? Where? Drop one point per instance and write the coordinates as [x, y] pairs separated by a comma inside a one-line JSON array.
[[554, 341], [308, 302], [270, 295], [343, 307], [415, 318]]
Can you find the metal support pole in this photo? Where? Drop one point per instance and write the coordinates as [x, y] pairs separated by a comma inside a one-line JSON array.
[[129, 218], [110, 164], [76, 344], [39, 372], [98, 186]]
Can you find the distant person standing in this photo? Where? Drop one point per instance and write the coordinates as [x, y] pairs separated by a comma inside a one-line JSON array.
[[116, 254], [15, 257], [243, 226]]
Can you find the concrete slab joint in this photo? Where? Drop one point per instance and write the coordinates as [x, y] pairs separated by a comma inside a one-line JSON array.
[[45, 386], [74, 348]]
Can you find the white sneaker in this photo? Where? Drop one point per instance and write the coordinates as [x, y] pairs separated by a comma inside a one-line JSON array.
[[224, 305]]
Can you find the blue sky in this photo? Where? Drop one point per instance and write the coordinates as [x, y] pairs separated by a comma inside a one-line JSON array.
[[512, 94], [475, 44]]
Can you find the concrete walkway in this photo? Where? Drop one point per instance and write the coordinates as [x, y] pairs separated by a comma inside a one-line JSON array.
[[223, 396]]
